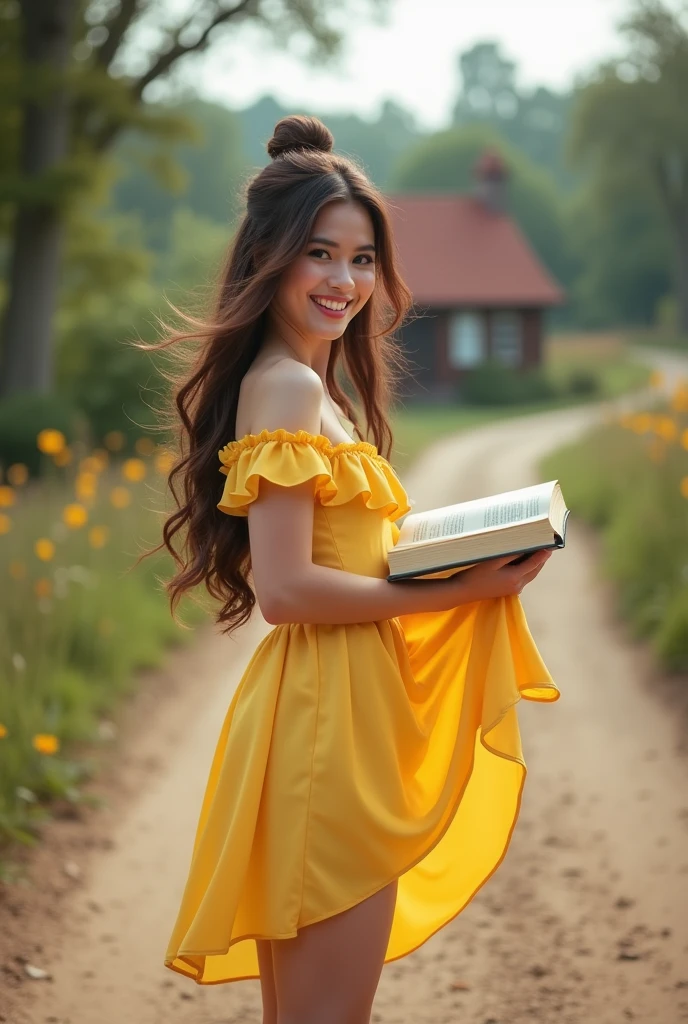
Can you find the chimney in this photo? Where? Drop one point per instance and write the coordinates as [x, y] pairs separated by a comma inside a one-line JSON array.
[[491, 179]]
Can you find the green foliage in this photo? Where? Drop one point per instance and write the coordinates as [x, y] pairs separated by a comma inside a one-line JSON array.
[[533, 121], [23, 416], [611, 482], [376, 144], [99, 369], [203, 175], [69, 652], [630, 133], [496, 384], [116, 385], [618, 236], [445, 162]]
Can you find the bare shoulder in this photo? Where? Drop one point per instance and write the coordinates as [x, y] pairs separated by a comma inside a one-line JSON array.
[[284, 394]]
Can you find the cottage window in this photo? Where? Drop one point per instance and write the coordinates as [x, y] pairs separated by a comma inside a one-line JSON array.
[[466, 340], [507, 338]]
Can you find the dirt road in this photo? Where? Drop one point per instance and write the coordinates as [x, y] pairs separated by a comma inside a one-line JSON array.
[[585, 921]]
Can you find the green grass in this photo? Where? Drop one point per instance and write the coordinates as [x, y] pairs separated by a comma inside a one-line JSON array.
[[614, 371], [659, 338], [74, 629], [629, 487]]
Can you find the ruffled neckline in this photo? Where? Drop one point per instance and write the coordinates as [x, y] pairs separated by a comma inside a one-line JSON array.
[[231, 451]]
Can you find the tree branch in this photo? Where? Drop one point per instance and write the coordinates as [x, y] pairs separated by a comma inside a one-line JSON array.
[[117, 28], [675, 208], [164, 61]]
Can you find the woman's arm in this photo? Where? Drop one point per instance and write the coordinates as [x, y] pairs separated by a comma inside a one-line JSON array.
[[291, 588]]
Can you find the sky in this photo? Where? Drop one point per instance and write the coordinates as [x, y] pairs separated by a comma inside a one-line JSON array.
[[412, 58]]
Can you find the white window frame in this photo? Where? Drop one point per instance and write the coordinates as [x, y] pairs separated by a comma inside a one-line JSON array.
[[466, 341], [507, 337]]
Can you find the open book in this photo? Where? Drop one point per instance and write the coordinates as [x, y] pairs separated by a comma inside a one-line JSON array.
[[518, 522]]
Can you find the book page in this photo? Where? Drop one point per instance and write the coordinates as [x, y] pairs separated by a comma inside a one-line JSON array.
[[483, 513]]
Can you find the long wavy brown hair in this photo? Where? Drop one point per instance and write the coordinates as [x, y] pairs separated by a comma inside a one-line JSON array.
[[206, 361]]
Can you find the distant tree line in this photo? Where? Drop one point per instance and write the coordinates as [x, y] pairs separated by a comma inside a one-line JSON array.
[[110, 199]]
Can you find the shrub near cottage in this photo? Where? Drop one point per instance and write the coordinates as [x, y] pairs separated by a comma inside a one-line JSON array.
[[76, 618], [629, 478]]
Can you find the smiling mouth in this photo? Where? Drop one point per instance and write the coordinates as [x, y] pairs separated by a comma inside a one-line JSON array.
[[334, 304], [331, 307]]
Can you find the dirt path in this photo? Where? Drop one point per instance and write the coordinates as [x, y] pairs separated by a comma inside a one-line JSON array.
[[584, 921]]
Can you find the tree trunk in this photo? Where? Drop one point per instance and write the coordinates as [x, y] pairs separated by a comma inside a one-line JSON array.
[[681, 275], [37, 230]]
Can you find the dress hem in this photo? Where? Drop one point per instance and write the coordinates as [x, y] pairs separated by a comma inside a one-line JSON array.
[[483, 732]]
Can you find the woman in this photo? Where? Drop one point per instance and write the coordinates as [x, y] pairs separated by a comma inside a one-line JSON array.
[[368, 775]]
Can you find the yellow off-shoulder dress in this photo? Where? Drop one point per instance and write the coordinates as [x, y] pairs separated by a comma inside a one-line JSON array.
[[352, 755]]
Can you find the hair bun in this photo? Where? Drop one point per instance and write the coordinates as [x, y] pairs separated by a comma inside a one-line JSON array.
[[300, 132]]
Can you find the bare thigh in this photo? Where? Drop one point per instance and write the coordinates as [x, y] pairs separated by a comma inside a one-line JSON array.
[[267, 981], [329, 973]]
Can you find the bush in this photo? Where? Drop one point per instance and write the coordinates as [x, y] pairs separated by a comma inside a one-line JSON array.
[[22, 416], [495, 384], [629, 486], [582, 382]]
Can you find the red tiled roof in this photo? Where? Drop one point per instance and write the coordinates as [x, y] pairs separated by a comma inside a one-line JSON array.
[[455, 251]]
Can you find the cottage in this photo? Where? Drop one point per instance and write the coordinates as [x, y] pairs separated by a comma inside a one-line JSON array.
[[476, 281]]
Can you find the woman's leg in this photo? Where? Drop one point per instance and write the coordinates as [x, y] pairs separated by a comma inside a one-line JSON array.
[[328, 974], [267, 981]]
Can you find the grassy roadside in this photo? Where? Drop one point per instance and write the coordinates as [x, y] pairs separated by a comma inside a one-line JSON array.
[[658, 338], [605, 358], [76, 624], [629, 480], [77, 620]]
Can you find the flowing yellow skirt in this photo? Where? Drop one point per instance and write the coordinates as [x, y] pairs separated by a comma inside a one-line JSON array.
[[350, 756]]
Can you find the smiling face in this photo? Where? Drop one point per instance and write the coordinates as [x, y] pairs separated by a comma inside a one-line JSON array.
[[334, 275]]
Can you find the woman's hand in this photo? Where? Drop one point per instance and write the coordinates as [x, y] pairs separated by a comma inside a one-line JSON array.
[[496, 577]]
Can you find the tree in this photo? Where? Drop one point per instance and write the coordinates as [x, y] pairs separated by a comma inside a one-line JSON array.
[[206, 178], [631, 118], [72, 92], [535, 121], [445, 162], [617, 233], [376, 144]]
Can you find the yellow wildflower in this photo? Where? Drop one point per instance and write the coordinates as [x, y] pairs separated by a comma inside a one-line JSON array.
[[666, 428], [3, 731], [43, 587], [684, 486], [133, 470], [64, 457], [100, 458], [17, 474], [17, 570], [74, 515], [120, 497], [98, 536], [684, 438], [50, 442], [86, 485], [679, 400], [5, 523], [164, 461], [45, 549], [45, 743], [641, 423], [7, 496], [90, 464], [114, 440], [145, 445]]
